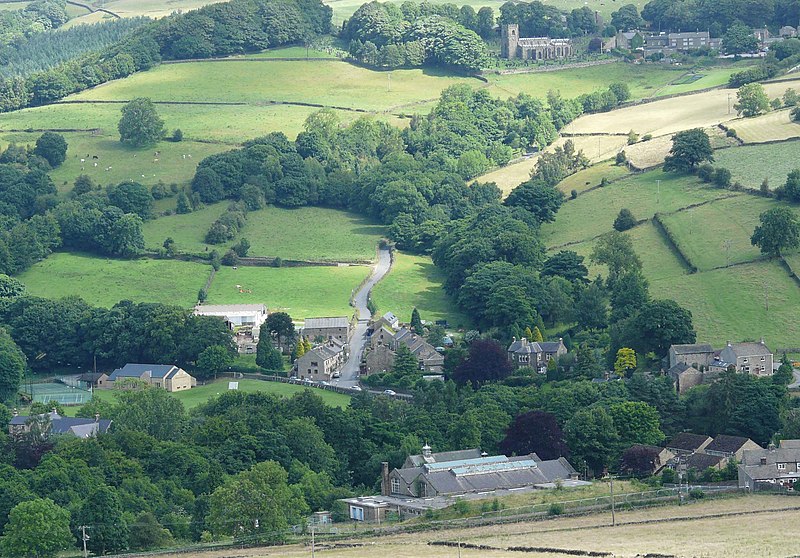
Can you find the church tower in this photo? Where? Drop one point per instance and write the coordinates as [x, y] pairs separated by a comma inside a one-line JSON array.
[[509, 38]]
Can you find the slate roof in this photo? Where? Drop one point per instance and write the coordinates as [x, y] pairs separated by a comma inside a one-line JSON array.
[[702, 461], [90, 377], [323, 323], [749, 349], [693, 348], [523, 346], [443, 456], [727, 444], [679, 369], [78, 427], [687, 441], [418, 346], [751, 462], [136, 370]]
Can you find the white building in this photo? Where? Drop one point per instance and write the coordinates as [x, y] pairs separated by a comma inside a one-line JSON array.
[[247, 317]]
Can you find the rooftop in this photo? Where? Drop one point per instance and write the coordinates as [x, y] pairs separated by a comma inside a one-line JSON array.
[[687, 441], [320, 323], [228, 309], [78, 427], [692, 348], [749, 349], [137, 370], [727, 444]]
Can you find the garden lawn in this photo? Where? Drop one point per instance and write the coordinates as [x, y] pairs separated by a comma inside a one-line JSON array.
[[729, 304], [306, 233], [415, 282], [202, 393], [331, 83], [303, 292], [751, 164], [593, 213], [104, 282], [702, 232]]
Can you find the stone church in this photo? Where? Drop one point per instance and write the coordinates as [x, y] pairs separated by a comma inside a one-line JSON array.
[[533, 48]]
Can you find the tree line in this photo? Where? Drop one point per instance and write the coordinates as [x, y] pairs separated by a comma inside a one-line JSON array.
[[35, 17], [234, 27]]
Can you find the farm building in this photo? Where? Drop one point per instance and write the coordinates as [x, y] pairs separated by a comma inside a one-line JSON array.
[[244, 319], [327, 328], [56, 424], [533, 48], [166, 376]]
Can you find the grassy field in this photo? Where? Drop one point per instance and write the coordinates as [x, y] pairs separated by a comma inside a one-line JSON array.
[[593, 213], [202, 393], [415, 282], [149, 8], [729, 304], [668, 116], [104, 282], [306, 233], [647, 154], [591, 177], [773, 126], [9, 6], [702, 235], [751, 164], [303, 292]]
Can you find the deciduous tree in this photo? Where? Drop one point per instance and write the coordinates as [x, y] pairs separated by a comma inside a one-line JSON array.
[[36, 529], [140, 124], [779, 230], [689, 149], [535, 432]]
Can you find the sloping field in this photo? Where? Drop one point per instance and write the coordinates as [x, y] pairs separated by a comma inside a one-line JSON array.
[[149, 8], [332, 83], [776, 125], [668, 116], [593, 213], [303, 292], [415, 282], [591, 177], [718, 234], [732, 301], [104, 282], [646, 154], [751, 164], [305, 233]]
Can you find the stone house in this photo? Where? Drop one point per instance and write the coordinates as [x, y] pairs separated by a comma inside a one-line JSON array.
[[166, 376], [532, 48], [379, 359], [322, 329], [731, 446], [772, 468], [787, 32], [697, 355], [687, 443], [322, 362], [700, 452], [534, 354], [685, 377], [430, 360], [56, 424], [749, 358]]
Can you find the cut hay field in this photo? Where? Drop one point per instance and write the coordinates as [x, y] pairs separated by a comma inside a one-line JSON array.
[[202, 393], [306, 233], [671, 115], [593, 213], [751, 164], [773, 126], [732, 527], [104, 282], [729, 304], [303, 292], [415, 282], [591, 177], [647, 154], [702, 232]]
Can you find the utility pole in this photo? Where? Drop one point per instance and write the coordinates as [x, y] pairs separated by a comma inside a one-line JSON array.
[[727, 245], [658, 192], [766, 296], [729, 103], [613, 506], [84, 538], [312, 541], [389, 82]]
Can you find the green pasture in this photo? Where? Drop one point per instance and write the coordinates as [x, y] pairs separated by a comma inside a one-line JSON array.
[[202, 393], [591, 177], [729, 304], [593, 213], [104, 282], [290, 52], [415, 282], [303, 292], [702, 78], [751, 164], [10, 6], [306, 233], [231, 124], [149, 8], [333, 83], [718, 234]]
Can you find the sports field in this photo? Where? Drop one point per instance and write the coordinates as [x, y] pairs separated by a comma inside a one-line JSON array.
[[415, 282], [303, 292], [751, 164], [104, 282], [305, 233]]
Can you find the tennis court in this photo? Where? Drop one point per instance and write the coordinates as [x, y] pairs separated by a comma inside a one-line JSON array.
[[58, 392]]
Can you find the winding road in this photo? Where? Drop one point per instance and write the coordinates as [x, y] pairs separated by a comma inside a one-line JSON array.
[[359, 338]]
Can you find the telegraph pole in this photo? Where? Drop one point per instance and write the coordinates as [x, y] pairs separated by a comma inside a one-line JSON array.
[[312, 541], [613, 507], [84, 538]]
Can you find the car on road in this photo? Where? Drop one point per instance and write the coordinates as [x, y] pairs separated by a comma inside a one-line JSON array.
[[389, 392], [356, 388]]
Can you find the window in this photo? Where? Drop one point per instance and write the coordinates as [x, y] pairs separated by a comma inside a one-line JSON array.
[[356, 513], [781, 466], [763, 359], [395, 486], [744, 360]]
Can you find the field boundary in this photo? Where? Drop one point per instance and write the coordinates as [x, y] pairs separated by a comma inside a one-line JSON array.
[[668, 237], [789, 270]]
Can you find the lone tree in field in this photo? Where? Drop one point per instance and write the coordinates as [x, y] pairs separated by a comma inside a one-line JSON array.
[[52, 147], [689, 149], [625, 220], [753, 100], [140, 124], [779, 229]]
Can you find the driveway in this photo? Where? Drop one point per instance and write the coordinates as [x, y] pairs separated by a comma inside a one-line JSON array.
[[359, 338]]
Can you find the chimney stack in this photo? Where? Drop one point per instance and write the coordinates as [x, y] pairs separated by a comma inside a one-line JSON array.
[[97, 417], [385, 484], [15, 412]]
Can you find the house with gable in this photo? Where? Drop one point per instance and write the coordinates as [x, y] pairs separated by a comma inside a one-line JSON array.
[[384, 341], [749, 358], [55, 424], [323, 329], [534, 354], [166, 376], [323, 362], [773, 468]]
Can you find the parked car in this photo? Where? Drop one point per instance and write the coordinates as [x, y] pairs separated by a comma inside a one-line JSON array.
[[356, 388], [389, 392]]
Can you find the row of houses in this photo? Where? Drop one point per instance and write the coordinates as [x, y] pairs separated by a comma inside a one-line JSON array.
[[386, 335], [689, 365], [668, 43]]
